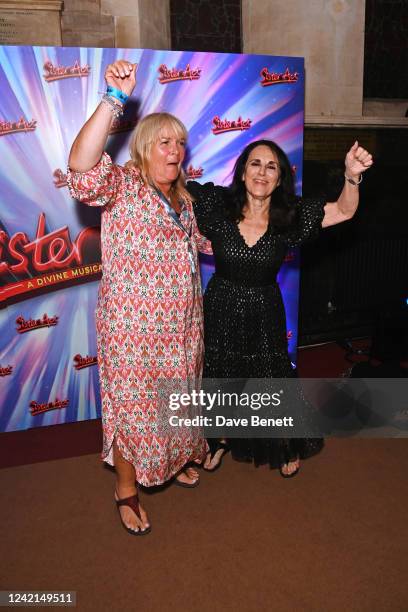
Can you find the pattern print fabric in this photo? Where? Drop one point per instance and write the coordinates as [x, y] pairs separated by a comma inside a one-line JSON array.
[[244, 315], [148, 317]]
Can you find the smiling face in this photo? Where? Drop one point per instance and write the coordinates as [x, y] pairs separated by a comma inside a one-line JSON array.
[[262, 173], [166, 157]]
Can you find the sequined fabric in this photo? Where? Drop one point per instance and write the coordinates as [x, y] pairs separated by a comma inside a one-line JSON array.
[[244, 317]]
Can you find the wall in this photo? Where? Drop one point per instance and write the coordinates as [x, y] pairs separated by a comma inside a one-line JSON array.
[[30, 22], [86, 23], [328, 33]]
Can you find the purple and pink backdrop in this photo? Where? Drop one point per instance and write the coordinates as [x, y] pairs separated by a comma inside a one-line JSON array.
[[49, 243]]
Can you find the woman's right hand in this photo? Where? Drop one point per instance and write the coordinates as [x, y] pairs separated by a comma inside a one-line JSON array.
[[121, 75], [91, 140]]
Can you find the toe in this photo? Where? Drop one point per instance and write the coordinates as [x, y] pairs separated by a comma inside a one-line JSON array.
[[129, 518], [188, 476], [192, 473], [216, 459], [145, 518]]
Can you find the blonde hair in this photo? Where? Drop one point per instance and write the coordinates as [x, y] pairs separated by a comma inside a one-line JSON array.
[[145, 135]]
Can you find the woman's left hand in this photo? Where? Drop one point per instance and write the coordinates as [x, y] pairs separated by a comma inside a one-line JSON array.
[[358, 160]]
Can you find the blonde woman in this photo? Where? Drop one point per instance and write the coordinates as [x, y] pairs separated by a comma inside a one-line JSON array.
[[149, 314]]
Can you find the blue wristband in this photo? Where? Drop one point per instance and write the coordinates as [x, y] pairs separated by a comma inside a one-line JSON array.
[[117, 93]]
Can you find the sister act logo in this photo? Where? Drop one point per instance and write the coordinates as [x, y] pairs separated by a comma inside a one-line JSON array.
[[59, 178], [37, 408], [24, 325], [168, 75], [6, 371], [274, 78], [194, 173], [84, 362], [226, 125], [51, 258], [54, 73], [22, 125]]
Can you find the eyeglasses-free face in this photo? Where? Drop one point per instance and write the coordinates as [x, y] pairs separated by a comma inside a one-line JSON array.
[[262, 172], [166, 157]]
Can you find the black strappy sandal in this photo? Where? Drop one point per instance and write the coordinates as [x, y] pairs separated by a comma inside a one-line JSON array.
[[216, 445]]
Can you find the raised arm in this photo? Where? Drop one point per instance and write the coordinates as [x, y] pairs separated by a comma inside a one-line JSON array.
[[357, 161], [89, 145]]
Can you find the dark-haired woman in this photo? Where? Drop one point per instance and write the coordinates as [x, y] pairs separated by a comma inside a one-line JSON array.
[[251, 225]]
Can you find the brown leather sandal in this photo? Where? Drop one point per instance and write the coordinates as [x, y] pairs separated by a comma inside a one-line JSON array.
[[133, 503]]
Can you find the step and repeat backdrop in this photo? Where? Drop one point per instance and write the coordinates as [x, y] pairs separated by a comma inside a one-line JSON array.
[[49, 243]]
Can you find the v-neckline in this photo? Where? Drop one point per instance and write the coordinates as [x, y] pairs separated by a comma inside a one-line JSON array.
[[245, 242]]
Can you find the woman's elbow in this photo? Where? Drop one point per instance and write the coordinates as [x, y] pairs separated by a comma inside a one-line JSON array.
[[77, 164]]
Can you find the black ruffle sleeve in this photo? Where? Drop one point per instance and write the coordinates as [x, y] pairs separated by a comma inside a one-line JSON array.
[[208, 204], [308, 223]]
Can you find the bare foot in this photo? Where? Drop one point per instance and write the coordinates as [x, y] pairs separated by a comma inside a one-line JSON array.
[[289, 468], [220, 448], [129, 517], [188, 476], [211, 463]]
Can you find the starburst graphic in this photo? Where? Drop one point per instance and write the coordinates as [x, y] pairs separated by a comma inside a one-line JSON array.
[[42, 361]]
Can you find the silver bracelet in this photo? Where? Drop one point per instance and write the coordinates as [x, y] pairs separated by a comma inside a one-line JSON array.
[[352, 182], [115, 108]]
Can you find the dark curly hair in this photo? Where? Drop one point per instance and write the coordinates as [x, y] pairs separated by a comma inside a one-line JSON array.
[[282, 212]]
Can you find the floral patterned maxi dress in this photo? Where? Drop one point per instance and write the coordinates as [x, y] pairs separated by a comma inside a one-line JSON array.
[[149, 317]]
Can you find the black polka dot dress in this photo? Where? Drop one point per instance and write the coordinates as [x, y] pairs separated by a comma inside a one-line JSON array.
[[244, 317]]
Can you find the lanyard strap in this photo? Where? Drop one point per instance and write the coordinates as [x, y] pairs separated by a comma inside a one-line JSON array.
[[172, 213]]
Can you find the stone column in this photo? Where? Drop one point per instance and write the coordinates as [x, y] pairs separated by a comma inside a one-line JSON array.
[[83, 25], [86, 23], [329, 34], [140, 23], [30, 22]]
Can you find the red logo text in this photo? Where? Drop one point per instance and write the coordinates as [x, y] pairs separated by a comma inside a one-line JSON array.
[[60, 178], [36, 408], [84, 362], [193, 173], [24, 325], [6, 371], [10, 127], [274, 78], [168, 75], [53, 73], [45, 252], [223, 125]]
